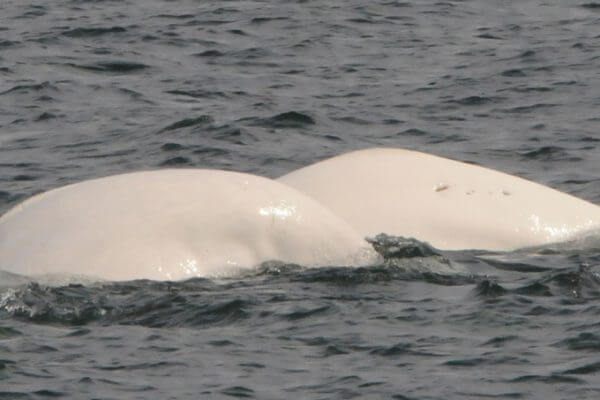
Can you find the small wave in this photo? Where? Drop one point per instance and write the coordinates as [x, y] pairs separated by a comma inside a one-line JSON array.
[[413, 132], [488, 288], [34, 11], [550, 153], [354, 120], [175, 16], [232, 134], [591, 368], [92, 32], [529, 109], [579, 284], [210, 54], [45, 116], [170, 146], [514, 73], [489, 36], [290, 119], [6, 332], [551, 379], [238, 391], [188, 122], [198, 93], [585, 341], [113, 67], [475, 100], [262, 20], [142, 303], [37, 87], [177, 161], [591, 6], [531, 89], [8, 43], [211, 152]]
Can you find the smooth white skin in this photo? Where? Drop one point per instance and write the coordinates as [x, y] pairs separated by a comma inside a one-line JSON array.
[[173, 224], [450, 204]]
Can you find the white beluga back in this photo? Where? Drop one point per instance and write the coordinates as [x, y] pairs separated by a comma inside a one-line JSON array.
[[450, 204], [173, 224]]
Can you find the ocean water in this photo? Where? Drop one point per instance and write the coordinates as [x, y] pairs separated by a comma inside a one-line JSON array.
[[90, 88]]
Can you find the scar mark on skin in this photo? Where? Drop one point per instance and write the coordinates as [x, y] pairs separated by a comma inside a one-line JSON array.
[[440, 187]]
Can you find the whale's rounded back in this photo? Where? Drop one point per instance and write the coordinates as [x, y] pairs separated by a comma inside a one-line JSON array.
[[450, 204], [173, 224]]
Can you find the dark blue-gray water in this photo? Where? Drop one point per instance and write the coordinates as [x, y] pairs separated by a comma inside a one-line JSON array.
[[90, 88]]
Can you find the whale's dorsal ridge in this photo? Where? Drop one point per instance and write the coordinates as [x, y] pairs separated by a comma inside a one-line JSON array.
[[450, 204], [173, 224]]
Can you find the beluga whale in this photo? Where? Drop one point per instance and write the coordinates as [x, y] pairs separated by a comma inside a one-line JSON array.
[[451, 205], [173, 224]]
